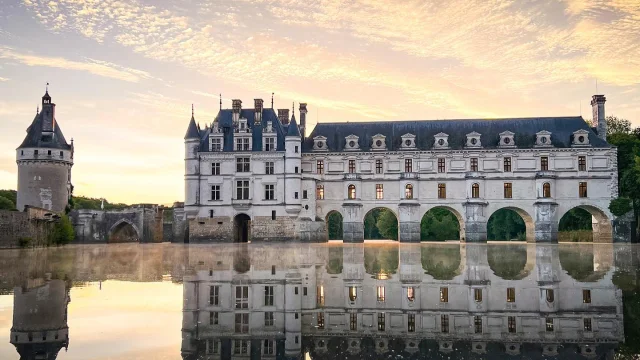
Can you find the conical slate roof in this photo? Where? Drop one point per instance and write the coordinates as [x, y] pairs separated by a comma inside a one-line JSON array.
[[34, 136], [192, 130], [293, 129]]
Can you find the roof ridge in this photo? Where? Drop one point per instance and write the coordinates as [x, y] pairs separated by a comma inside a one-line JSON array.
[[461, 119]]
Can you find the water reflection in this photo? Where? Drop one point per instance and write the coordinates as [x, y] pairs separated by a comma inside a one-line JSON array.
[[446, 301]]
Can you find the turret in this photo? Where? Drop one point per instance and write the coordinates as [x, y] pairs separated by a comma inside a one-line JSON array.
[[293, 168], [192, 168]]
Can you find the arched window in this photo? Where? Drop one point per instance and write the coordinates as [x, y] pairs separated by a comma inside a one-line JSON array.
[[475, 191], [352, 192], [353, 293], [546, 190], [408, 191], [550, 296]]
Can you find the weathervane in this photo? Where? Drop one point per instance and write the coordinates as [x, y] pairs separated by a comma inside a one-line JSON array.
[[272, 100], [220, 101]]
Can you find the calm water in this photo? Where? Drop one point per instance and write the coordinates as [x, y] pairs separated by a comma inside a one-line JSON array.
[[325, 301]]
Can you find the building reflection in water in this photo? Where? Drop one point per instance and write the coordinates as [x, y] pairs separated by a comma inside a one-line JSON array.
[[435, 301]]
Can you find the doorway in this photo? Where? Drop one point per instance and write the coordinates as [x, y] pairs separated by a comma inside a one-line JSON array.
[[241, 224]]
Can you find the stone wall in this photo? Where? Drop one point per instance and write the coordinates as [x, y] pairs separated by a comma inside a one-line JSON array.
[[263, 229], [211, 230], [179, 226], [32, 224]]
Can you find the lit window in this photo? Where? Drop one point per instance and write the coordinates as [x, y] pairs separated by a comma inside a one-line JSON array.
[[511, 295], [381, 321], [508, 193], [507, 164], [546, 190], [582, 189], [319, 167], [444, 294], [380, 293], [475, 191], [352, 166], [408, 165], [408, 191], [351, 192], [353, 293], [320, 296], [411, 293], [411, 322], [442, 191], [320, 192], [474, 164], [379, 191]]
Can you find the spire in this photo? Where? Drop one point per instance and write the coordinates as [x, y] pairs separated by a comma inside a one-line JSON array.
[[272, 100], [220, 101], [293, 129], [192, 111], [293, 113], [37, 110], [193, 131]]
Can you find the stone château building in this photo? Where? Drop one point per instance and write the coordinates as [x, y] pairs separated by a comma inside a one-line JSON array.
[[253, 174]]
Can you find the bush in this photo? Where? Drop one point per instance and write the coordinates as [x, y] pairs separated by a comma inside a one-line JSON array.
[[6, 204], [24, 242], [620, 206], [63, 232]]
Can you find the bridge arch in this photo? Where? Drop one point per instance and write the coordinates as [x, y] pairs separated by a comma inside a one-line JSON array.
[[500, 212], [123, 230], [600, 221], [333, 221], [371, 217], [438, 214]]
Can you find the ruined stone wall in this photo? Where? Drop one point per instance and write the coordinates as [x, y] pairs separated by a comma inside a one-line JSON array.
[[31, 225], [179, 226]]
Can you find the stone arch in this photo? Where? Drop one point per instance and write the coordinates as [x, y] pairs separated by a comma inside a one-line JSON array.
[[336, 231], [381, 261], [241, 228], [600, 222], [526, 218], [451, 210], [509, 261], [372, 234], [443, 262], [123, 230], [579, 262]]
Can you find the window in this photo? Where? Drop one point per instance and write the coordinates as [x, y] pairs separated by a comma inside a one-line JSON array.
[[48, 152], [353, 321], [320, 167], [587, 324], [242, 297], [411, 293], [242, 164], [507, 164], [295, 170], [268, 296], [320, 296], [477, 324], [295, 195], [546, 190], [353, 293], [213, 318], [411, 322], [61, 154], [213, 347], [582, 163], [352, 166], [304, 194], [544, 163], [273, 217], [215, 168], [242, 189], [304, 291], [477, 295], [269, 192], [444, 323], [511, 295], [215, 192], [268, 318], [549, 324], [508, 194], [582, 189], [269, 144], [214, 295], [586, 296], [35, 152], [296, 150], [408, 191], [475, 191], [351, 194], [320, 192], [379, 191], [511, 324], [380, 293], [441, 167], [408, 165], [474, 164], [442, 191], [320, 320], [240, 347], [378, 166], [549, 295], [295, 290], [216, 144], [444, 294], [211, 214], [268, 168], [381, 321], [268, 348], [242, 323], [242, 144]]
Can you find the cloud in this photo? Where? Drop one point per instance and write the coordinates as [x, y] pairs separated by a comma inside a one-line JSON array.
[[3, 79]]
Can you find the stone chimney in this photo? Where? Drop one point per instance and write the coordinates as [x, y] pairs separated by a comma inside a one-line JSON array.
[[597, 106], [258, 111], [283, 116], [236, 106], [303, 119]]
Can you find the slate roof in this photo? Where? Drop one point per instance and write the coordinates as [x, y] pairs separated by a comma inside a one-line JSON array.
[[34, 136], [525, 130], [293, 129], [192, 130]]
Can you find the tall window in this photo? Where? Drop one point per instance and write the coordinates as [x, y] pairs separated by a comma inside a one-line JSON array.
[[582, 163], [587, 324], [477, 324], [381, 321], [215, 168], [270, 144], [320, 192], [352, 166], [242, 323], [477, 295], [408, 191], [214, 295], [243, 164], [268, 347], [474, 164], [268, 296], [441, 166], [378, 166], [242, 144], [215, 192], [507, 164], [242, 190], [320, 319], [269, 192], [475, 191], [268, 318], [442, 191], [216, 144], [320, 167], [240, 347], [444, 294], [213, 347], [320, 296], [586, 296], [269, 168], [508, 191], [549, 295], [351, 192], [544, 163], [549, 324], [511, 295], [546, 190], [582, 189], [444, 323], [213, 318], [408, 165], [353, 293], [379, 191], [511, 323], [411, 322], [411, 293], [242, 297], [380, 293], [353, 321]]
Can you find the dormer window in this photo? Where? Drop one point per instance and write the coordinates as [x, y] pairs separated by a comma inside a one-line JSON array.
[[352, 143], [507, 139], [441, 141], [473, 140], [580, 138], [215, 143], [543, 139], [408, 141], [269, 127], [269, 143], [242, 125], [320, 143], [379, 142]]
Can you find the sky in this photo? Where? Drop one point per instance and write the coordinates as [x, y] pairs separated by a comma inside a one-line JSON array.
[[125, 73]]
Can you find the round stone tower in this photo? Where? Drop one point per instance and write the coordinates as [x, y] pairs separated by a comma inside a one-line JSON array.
[[44, 163]]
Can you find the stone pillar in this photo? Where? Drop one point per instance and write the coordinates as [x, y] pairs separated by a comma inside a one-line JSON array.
[[546, 221], [352, 223], [409, 218], [475, 222]]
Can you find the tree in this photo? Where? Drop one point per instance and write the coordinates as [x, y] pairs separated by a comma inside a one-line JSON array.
[[575, 219], [334, 226], [10, 194], [63, 232], [616, 125], [620, 206], [505, 224], [439, 224], [387, 224], [6, 204]]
